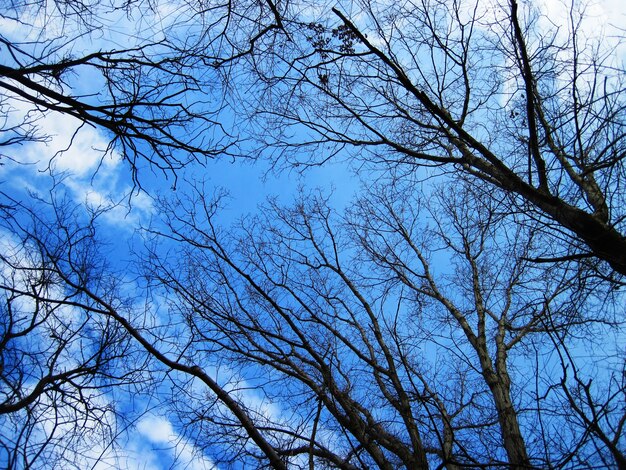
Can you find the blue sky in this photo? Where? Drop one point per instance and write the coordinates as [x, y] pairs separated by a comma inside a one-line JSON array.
[[74, 160], [103, 180], [154, 443]]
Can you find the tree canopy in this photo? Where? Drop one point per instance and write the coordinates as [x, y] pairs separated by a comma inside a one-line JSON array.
[[462, 310]]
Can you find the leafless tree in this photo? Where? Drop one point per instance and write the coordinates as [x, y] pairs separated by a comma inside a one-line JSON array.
[[153, 86], [494, 90], [159, 98], [377, 353], [598, 408], [403, 334], [72, 341], [58, 361], [451, 325]]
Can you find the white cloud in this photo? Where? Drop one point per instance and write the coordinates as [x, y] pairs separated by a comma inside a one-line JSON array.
[[602, 21], [158, 430], [79, 152], [69, 146], [78, 155]]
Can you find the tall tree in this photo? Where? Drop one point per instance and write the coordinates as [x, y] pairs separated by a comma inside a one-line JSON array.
[[378, 354], [493, 90], [150, 82], [71, 336], [58, 361], [475, 322]]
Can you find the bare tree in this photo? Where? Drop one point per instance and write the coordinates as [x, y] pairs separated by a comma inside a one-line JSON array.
[[453, 327], [70, 339], [58, 361], [495, 90], [378, 355], [152, 85], [403, 334], [159, 99], [598, 408]]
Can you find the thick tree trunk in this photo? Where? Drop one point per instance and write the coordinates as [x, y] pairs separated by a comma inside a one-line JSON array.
[[602, 239], [512, 439]]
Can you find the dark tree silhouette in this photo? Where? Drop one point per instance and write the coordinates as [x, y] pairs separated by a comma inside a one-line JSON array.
[[463, 312], [492, 90], [57, 360], [159, 100], [388, 341]]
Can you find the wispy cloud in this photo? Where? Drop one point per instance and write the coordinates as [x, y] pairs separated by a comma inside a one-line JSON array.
[[159, 431]]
